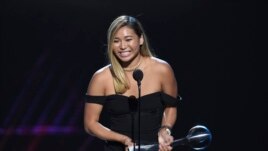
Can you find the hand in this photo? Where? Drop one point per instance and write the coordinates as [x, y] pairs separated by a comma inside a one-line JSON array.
[[165, 140], [127, 142]]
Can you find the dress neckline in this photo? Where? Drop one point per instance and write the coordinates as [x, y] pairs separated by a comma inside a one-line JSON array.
[[124, 96], [145, 95]]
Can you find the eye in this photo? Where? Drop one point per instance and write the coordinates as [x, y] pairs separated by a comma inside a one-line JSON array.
[[128, 39], [116, 41]]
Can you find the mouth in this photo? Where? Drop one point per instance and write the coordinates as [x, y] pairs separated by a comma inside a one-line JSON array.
[[124, 53]]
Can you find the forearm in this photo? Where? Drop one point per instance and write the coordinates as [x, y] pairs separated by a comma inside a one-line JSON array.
[[102, 132], [169, 116]]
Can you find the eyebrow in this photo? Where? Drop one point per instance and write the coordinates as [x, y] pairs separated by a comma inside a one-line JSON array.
[[124, 37]]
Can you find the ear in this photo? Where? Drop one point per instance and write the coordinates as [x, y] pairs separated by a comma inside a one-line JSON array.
[[141, 40]]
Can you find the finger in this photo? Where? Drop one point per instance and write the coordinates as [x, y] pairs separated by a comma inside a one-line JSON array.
[[169, 148], [169, 140], [163, 148]]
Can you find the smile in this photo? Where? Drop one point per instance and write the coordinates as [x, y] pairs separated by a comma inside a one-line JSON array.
[[124, 53]]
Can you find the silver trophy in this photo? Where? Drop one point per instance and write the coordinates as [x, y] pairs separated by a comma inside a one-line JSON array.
[[198, 138]]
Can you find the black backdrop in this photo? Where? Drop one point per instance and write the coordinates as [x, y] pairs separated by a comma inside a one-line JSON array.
[[50, 49]]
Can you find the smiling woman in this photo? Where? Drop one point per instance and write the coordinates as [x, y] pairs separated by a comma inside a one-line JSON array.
[[126, 45], [128, 49]]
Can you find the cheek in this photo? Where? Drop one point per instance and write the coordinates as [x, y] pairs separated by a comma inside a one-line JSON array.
[[114, 54], [135, 45], [115, 46]]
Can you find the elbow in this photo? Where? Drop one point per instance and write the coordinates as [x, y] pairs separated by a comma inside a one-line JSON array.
[[88, 129]]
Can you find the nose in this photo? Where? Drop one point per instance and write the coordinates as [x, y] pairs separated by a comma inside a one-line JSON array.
[[123, 45]]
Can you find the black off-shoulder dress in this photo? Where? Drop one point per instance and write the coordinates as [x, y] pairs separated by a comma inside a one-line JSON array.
[[123, 116]]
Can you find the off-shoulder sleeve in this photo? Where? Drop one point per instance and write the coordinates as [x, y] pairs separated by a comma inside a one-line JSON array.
[[169, 100], [95, 99]]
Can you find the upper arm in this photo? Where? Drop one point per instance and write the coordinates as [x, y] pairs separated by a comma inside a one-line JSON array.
[[168, 80], [92, 112], [168, 86], [96, 87]]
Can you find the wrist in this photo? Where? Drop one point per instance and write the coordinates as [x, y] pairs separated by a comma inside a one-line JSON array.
[[166, 128], [126, 140]]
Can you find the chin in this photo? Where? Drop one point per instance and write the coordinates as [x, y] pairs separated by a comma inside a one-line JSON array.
[[125, 59]]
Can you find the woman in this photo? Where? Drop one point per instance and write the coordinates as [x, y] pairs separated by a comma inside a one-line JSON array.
[[113, 88]]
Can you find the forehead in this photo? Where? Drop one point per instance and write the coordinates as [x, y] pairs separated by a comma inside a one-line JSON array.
[[125, 31]]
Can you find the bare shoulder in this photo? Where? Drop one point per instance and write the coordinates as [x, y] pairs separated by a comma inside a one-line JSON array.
[[160, 65], [165, 74], [102, 73], [97, 85]]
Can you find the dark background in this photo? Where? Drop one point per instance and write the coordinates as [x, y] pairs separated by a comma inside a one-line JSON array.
[[50, 49]]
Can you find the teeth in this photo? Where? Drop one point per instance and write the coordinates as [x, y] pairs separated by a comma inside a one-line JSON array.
[[124, 54]]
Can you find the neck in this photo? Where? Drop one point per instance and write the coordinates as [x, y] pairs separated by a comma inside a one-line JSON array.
[[135, 66]]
